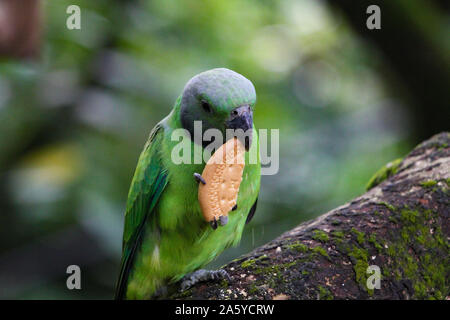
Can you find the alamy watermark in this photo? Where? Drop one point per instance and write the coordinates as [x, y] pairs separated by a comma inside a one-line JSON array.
[[374, 20], [186, 152], [374, 280], [74, 280], [73, 21]]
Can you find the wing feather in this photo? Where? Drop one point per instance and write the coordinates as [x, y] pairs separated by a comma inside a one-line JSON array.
[[251, 212], [146, 188]]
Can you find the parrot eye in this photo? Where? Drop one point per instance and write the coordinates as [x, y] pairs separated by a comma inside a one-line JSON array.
[[206, 106]]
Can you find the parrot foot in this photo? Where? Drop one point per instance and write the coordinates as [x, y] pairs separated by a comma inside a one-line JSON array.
[[213, 224], [199, 178], [203, 275], [223, 220]]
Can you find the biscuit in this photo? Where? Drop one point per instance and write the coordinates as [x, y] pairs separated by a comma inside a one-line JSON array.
[[223, 176]]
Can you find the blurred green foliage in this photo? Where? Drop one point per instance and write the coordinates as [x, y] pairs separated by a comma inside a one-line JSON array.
[[73, 123]]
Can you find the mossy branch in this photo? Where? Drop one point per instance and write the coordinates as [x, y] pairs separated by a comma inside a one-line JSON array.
[[400, 225]]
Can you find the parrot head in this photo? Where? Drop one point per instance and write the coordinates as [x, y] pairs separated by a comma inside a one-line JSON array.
[[221, 99]]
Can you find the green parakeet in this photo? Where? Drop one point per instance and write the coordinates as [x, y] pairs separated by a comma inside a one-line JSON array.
[[165, 235]]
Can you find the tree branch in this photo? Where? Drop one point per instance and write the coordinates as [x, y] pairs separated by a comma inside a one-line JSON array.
[[400, 225]]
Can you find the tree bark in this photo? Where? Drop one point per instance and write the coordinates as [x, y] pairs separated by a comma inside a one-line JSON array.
[[400, 225]]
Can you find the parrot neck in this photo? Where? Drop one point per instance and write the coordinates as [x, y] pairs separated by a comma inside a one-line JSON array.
[[174, 116]]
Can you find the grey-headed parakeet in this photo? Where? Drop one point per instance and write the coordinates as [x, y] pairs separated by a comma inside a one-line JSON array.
[[165, 235]]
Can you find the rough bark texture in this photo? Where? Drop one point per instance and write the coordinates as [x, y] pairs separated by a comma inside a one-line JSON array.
[[401, 225]]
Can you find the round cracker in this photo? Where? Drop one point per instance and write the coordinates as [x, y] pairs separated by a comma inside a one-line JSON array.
[[223, 176]]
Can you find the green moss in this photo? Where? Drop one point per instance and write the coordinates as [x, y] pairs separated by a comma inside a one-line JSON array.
[[443, 146], [420, 290], [360, 265], [389, 206], [428, 184], [288, 265], [338, 237], [247, 263], [409, 216], [338, 234], [274, 274], [438, 295], [426, 271], [185, 294], [320, 251], [384, 173], [251, 262], [390, 251], [253, 289], [336, 222], [325, 294], [375, 243], [415, 228], [298, 246], [392, 219], [224, 284], [360, 237], [320, 236]]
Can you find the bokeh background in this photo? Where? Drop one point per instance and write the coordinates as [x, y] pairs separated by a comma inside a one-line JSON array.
[[76, 107]]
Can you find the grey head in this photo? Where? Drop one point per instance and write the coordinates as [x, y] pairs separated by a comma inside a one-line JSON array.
[[220, 98]]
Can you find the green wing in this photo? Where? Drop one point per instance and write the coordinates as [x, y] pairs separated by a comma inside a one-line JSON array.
[[148, 183]]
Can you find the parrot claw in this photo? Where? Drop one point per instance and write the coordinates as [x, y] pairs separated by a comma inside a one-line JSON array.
[[223, 220], [213, 223], [199, 178], [203, 275]]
